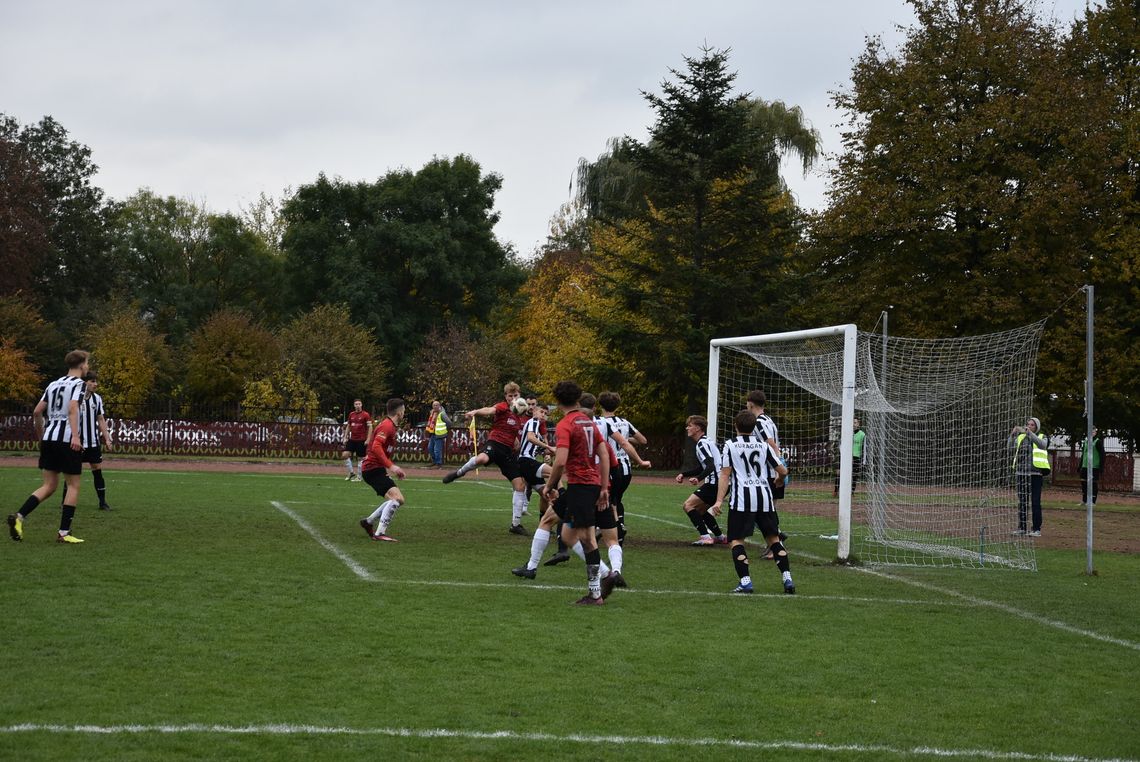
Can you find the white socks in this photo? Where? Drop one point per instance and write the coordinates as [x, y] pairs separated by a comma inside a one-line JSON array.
[[538, 547], [384, 513], [616, 555], [348, 465], [469, 465], [518, 507]]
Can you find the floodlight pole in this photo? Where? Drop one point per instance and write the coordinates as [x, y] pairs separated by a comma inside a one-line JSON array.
[[1088, 430]]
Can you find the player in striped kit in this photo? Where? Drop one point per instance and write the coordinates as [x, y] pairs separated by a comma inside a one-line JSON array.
[[95, 435], [766, 429], [746, 465], [610, 424], [708, 470], [56, 418]]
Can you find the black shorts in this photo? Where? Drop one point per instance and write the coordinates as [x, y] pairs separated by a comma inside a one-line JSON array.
[[706, 493], [92, 454], [503, 457], [355, 447], [605, 518], [741, 524], [60, 458], [580, 504], [378, 479], [531, 470]]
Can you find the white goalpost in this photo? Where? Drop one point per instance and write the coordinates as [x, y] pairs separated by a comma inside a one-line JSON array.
[[928, 480]]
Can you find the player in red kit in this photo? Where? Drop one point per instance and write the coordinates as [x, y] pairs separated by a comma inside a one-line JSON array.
[[357, 429], [577, 445], [375, 470], [500, 449]]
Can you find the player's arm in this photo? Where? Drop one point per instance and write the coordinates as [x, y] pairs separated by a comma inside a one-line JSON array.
[[780, 468], [73, 421], [721, 490], [626, 445], [484, 411], [104, 431], [38, 418], [561, 455], [603, 472], [535, 439], [637, 437], [376, 447]]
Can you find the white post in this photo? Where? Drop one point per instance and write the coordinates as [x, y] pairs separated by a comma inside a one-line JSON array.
[[846, 432], [714, 388], [1088, 431]]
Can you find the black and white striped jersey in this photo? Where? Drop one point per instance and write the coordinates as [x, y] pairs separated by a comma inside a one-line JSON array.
[[752, 464], [90, 409], [529, 449], [608, 425], [766, 429], [58, 397], [709, 459]]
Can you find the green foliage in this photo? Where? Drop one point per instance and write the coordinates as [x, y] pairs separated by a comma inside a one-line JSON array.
[[281, 390], [52, 189], [18, 379], [405, 253], [228, 351], [24, 243], [133, 362], [974, 190], [460, 370], [183, 263], [692, 230], [337, 358], [22, 325]]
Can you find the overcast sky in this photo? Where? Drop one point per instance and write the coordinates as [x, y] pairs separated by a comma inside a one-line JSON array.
[[219, 101]]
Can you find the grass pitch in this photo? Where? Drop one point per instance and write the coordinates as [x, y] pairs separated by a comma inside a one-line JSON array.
[[220, 615]]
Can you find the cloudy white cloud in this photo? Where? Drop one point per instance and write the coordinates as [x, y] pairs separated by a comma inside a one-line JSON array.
[[221, 101]]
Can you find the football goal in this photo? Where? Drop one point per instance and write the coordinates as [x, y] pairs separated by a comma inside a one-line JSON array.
[[897, 448]]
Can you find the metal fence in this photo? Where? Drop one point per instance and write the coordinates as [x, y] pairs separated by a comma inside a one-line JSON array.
[[280, 435]]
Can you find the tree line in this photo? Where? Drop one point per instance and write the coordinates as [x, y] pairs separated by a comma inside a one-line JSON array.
[[987, 171]]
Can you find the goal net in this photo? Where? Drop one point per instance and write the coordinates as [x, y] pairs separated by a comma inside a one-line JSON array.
[[898, 448]]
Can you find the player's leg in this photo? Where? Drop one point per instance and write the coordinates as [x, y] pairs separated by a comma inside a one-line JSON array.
[[694, 509], [769, 528], [393, 504], [46, 489], [581, 501], [740, 527], [67, 514], [475, 461]]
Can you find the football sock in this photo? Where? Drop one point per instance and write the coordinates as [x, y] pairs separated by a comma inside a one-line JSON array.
[[376, 514], [713, 527], [518, 505], [29, 506], [581, 553], [561, 543], [65, 519], [348, 465], [786, 576], [740, 561], [387, 515], [780, 556], [63, 496], [537, 547], [469, 465], [593, 572], [100, 487], [616, 554], [698, 520]]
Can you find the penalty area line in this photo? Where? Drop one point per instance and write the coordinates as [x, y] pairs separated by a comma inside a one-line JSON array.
[[346, 559], [578, 738]]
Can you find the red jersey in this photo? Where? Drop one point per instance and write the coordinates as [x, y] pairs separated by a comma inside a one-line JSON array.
[[506, 426], [578, 434], [358, 425], [380, 450]]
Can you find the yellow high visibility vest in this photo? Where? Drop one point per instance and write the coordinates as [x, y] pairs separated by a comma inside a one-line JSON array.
[[440, 425], [1040, 457]]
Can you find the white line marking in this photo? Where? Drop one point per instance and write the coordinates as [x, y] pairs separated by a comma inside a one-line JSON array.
[[580, 738], [969, 599], [346, 559]]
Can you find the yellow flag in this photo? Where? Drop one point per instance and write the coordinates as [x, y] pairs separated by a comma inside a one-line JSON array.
[[474, 442]]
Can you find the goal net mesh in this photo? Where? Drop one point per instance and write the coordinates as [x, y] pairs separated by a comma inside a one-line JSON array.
[[934, 484]]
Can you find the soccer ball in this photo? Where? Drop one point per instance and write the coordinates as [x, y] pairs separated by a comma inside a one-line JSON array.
[[519, 406]]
